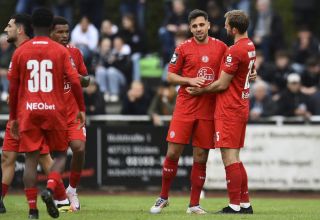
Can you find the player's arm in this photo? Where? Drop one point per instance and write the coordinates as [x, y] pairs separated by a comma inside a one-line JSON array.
[[218, 86], [76, 88], [14, 83], [221, 84], [82, 70], [176, 79]]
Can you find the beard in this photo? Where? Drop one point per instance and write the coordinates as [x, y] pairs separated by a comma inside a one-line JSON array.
[[202, 38], [11, 39], [230, 35]]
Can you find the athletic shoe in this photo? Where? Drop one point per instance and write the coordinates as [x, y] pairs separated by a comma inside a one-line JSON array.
[[73, 198], [196, 210], [248, 210], [228, 210], [64, 208], [159, 205], [33, 214], [2, 207], [52, 210]]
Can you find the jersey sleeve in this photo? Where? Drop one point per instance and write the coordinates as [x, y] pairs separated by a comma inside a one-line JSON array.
[[231, 61], [72, 75], [81, 67], [176, 61], [13, 87]]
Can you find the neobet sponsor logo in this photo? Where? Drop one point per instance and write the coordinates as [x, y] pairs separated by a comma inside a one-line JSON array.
[[39, 106]]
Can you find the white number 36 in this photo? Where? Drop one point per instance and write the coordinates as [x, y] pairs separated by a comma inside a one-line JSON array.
[[40, 77]]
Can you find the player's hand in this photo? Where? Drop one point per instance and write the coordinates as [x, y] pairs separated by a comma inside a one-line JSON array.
[[195, 91], [196, 82], [253, 75], [81, 117], [14, 129], [84, 81]]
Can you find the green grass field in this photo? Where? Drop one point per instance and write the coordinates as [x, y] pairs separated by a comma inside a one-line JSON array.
[[137, 207]]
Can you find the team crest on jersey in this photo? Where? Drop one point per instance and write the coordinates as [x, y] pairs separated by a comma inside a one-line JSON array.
[[174, 58], [67, 86], [172, 134], [205, 59], [207, 73]]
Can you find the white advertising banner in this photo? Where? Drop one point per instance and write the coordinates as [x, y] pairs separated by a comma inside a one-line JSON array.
[[276, 157]]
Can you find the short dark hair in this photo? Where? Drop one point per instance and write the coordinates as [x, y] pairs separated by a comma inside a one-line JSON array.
[[58, 20], [197, 13], [238, 19], [25, 21], [42, 17]]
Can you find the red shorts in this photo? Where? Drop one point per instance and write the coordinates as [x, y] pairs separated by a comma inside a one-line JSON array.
[[32, 140], [76, 134], [200, 131], [12, 145], [229, 134]]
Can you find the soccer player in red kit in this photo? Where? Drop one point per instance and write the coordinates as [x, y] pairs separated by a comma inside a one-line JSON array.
[[232, 109], [76, 138], [196, 62], [18, 32], [37, 104]]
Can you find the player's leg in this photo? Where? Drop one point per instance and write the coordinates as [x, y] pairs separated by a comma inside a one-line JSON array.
[[58, 144], [169, 171], [30, 143], [229, 140], [230, 158], [30, 182], [76, 138], [8, 160], [59, 194], [197, 178], [45, 162], [9, 155], [178, 136], [245, 205], [77, 162], [203, 134], [170, 167]]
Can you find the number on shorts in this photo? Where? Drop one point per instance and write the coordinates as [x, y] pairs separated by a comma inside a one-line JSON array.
[[217, 135]]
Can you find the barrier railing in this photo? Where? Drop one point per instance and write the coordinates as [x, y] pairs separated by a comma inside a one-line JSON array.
[[278, 120]]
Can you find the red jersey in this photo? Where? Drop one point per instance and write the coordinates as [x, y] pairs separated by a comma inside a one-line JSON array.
[[72, 107], [192, 59], [233, 104], [37, 85]]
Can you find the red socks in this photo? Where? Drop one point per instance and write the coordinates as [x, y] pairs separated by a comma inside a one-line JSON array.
[[5, 188], [244, 186], [198, 177], [31, 194], [60, 192], [169, 171], [74, 179], [54, 178], [234, 182]]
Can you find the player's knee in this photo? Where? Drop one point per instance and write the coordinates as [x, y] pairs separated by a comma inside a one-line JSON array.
[[228, 159], [6, 160], [78, 147], [200, 156], [173, 155]]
